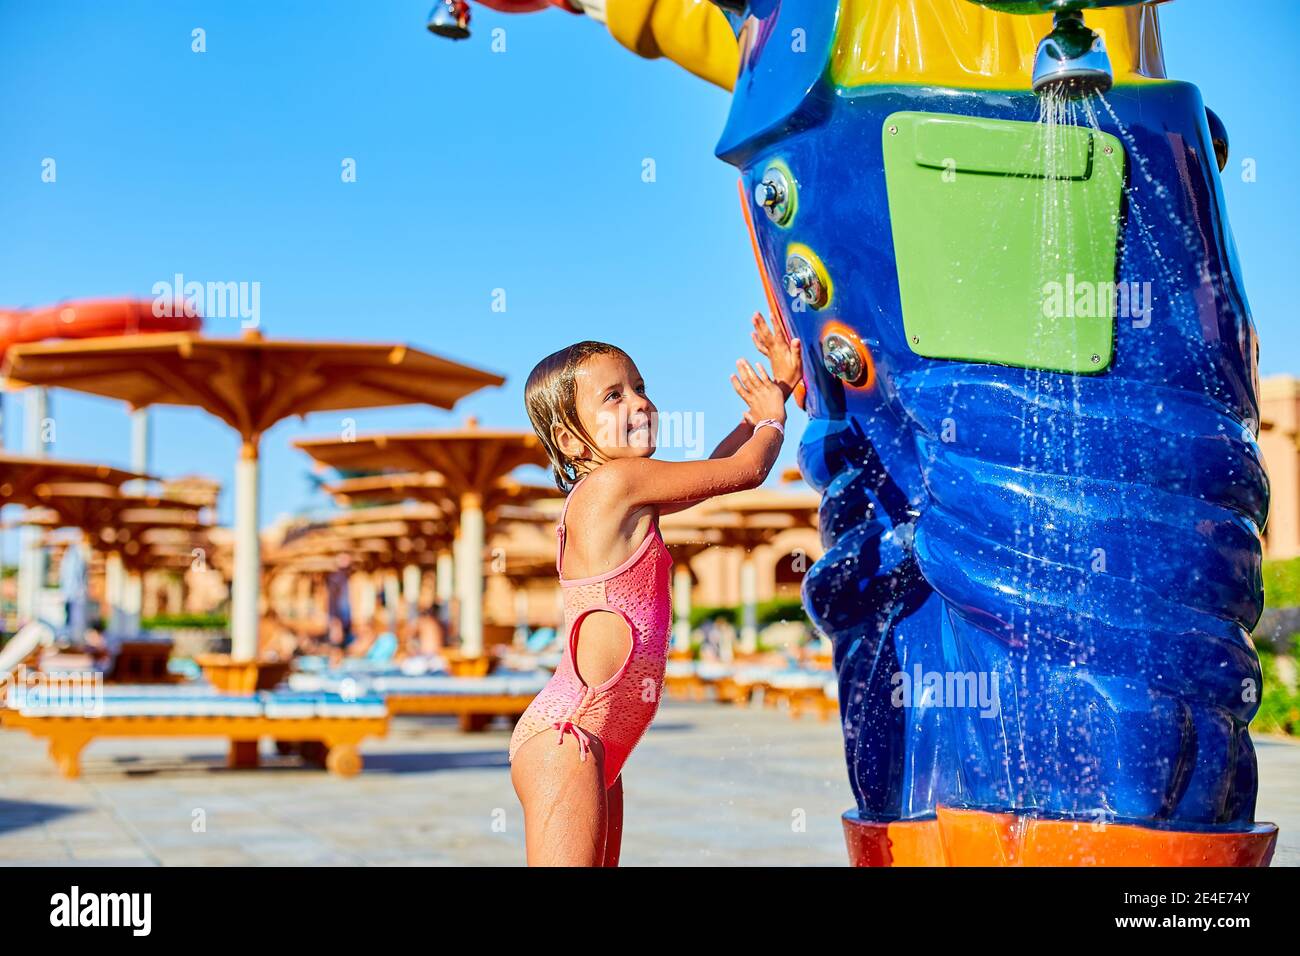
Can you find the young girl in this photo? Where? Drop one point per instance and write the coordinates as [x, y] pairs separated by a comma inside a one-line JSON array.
[[588, 405]]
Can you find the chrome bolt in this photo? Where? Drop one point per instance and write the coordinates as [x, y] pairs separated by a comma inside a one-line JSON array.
[[1096, 360], [802, 282], [775, 194], [916, 340], [893, 131], [1109, 150], [840, 358]]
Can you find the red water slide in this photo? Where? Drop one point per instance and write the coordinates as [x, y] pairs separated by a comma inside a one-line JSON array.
[[89, 318]]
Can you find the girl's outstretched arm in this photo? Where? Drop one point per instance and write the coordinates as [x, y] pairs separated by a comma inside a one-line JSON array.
[[734, 441]]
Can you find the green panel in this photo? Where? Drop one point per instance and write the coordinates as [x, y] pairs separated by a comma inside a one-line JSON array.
[[1005, 237]]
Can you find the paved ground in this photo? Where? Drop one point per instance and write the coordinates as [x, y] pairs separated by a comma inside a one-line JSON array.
[[709, 786]]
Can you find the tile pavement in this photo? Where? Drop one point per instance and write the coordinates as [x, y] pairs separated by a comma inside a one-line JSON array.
[[709, 785]]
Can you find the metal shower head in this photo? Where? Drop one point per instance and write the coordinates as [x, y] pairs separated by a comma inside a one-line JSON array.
[[1072, 58], [449, 18]]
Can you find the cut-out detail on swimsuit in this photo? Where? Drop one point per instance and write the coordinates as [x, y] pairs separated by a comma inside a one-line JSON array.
[[617, 711], [576, 632]]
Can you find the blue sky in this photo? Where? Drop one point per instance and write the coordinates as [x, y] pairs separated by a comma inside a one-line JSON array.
[[476, 171]]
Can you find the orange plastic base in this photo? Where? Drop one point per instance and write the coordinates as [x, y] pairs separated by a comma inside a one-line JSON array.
[[981, 838]]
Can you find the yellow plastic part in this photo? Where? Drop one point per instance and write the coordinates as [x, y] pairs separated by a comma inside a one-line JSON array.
[[692, 33], [955, 43]]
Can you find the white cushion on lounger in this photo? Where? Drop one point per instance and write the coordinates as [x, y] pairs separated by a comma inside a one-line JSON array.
[[289, 707], [713, 670], [496, 684], [362, 707], [753, 675], [306, 682], [293, 704], [440, 684], [530, 684], [679, 669], [189, 689], [419, 666], [84, 685], [349, 686], [797, 680], [229, 706]]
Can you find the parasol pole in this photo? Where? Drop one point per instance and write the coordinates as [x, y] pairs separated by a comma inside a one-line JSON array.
[[133, 578], [411, 581], [469, 574], [682, 604], [141, 446], [113, 587], [392, 588], [31, 559], [521, 615], [748, 602], [132, 600], [444, 578], [248, 558]]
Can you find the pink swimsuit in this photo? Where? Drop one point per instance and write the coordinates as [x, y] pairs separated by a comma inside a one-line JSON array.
[[618, 711]]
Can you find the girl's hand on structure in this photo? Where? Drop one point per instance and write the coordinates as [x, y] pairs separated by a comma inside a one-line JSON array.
[[786, 357], [762, 396]]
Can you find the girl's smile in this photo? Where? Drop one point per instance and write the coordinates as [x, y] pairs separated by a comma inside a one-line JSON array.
[[614, 409]]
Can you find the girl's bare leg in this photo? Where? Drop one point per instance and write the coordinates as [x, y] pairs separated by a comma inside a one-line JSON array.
[[567, 809], [564, 799], [614, 825]]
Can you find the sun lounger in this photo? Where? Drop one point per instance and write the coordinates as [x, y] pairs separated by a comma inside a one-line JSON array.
[[713, 671], [45, 687], [682, 679], [800, 690], [474, 700], [742, 683], [329, 727]]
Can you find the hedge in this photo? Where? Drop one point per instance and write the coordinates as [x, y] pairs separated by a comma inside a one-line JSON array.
[[768, 612], [1279, 707], [164, 622], [1282, 583]]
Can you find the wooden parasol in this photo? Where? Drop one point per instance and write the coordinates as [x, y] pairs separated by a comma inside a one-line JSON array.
[[250, 383], [471, 461]]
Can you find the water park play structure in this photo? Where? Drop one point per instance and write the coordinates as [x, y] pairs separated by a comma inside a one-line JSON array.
[[89, 318], [999, 229]]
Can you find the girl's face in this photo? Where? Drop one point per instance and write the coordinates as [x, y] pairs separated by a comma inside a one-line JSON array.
[[614, 409]]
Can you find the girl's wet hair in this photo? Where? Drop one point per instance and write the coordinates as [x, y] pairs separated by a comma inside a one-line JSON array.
[[551, 397]]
